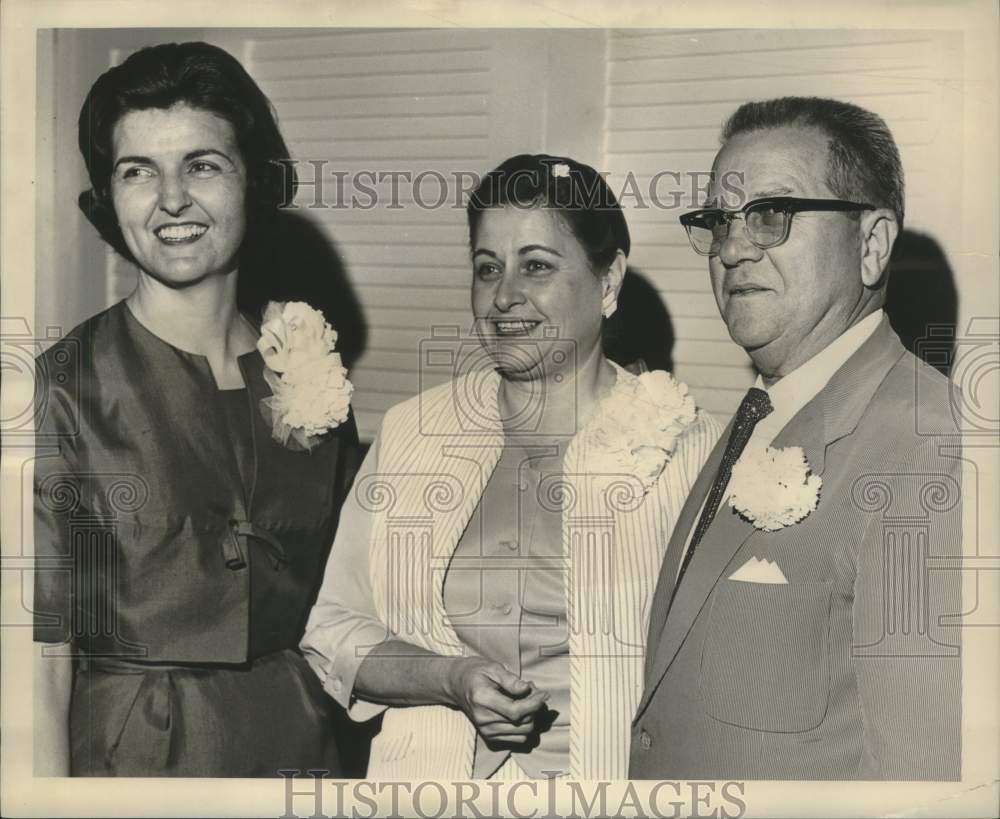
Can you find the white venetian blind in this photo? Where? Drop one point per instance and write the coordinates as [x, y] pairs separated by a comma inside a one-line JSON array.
[[381, 101], [668, 94]]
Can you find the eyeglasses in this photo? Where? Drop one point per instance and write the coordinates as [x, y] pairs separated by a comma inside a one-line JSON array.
[[768, 221]]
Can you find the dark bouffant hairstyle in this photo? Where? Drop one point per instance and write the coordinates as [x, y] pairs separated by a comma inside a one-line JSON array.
[[201, 76], [864, 163], [578, 192]]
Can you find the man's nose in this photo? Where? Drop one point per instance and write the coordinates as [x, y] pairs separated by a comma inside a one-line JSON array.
[[508, 293], [737, 247], [174, 196]]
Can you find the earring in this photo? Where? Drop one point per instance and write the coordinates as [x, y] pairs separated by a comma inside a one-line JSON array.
[[609, 304]]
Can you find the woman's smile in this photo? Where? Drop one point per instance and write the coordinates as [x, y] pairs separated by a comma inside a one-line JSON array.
[[180, 234]]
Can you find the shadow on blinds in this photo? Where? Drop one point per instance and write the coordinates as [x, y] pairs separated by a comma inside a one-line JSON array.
[[640, 335], [294, 259], [922, 300]]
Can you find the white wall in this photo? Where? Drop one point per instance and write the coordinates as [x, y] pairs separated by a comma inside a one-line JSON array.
[[465, 99]]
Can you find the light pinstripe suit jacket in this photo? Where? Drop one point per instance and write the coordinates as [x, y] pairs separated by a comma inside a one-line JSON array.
[[848, 671], [435, 455]]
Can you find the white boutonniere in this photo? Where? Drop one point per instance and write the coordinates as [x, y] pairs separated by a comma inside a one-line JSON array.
[[560, 169], [311, 393], [773, 488], [638, 427]]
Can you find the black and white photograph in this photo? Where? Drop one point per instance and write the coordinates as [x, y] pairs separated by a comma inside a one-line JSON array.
[[514, 409]]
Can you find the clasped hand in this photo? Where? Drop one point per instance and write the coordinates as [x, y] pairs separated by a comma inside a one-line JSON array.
[[501, 705]]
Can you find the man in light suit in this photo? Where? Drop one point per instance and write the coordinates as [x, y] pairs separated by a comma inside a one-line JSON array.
[[804, 623]]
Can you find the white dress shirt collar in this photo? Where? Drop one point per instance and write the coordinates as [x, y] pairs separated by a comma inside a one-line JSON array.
[[792, 392]]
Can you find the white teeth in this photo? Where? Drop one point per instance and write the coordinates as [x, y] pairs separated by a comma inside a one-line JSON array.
[[514, 326], [174, 233]]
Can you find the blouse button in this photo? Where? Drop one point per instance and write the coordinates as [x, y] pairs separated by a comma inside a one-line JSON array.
[[337, 684]]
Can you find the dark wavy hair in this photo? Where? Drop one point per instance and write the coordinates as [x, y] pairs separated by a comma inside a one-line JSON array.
[[201, 76], [864, 164], [576, 191]]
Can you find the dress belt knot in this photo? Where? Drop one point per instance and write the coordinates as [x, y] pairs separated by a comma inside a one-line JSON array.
[[233, 549]]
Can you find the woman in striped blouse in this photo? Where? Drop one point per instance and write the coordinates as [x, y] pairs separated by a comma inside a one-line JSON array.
[[490, 582]]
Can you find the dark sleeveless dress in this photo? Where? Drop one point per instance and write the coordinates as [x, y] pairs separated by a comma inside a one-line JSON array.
[[178, 552]]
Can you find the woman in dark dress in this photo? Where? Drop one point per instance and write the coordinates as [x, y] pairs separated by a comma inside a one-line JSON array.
[[179, 544]]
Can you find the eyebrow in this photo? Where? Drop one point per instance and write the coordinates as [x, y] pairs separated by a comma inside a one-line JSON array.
[[522, 251], [529, 248], [200, 152], [781, 190]]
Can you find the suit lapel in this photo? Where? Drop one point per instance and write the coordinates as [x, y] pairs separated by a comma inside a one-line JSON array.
[[472, 461], [807, 430], [678, 538], [849, 393]]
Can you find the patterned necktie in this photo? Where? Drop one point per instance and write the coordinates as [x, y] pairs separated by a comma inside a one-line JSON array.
[[755, 406]]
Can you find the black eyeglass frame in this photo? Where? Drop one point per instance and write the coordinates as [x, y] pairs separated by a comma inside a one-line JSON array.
[[789, 205]]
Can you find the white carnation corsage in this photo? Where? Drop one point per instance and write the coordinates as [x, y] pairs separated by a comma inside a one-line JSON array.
[[311, 393], [637, 429], [773, 488]]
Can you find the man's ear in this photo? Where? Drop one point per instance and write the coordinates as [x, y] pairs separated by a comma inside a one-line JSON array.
[[879, 230], [612, 281]]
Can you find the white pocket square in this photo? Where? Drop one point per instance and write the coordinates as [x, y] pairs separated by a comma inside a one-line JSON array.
[[756, 570]]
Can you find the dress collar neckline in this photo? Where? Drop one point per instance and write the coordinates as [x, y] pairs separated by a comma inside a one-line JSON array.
[[140, 329]]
